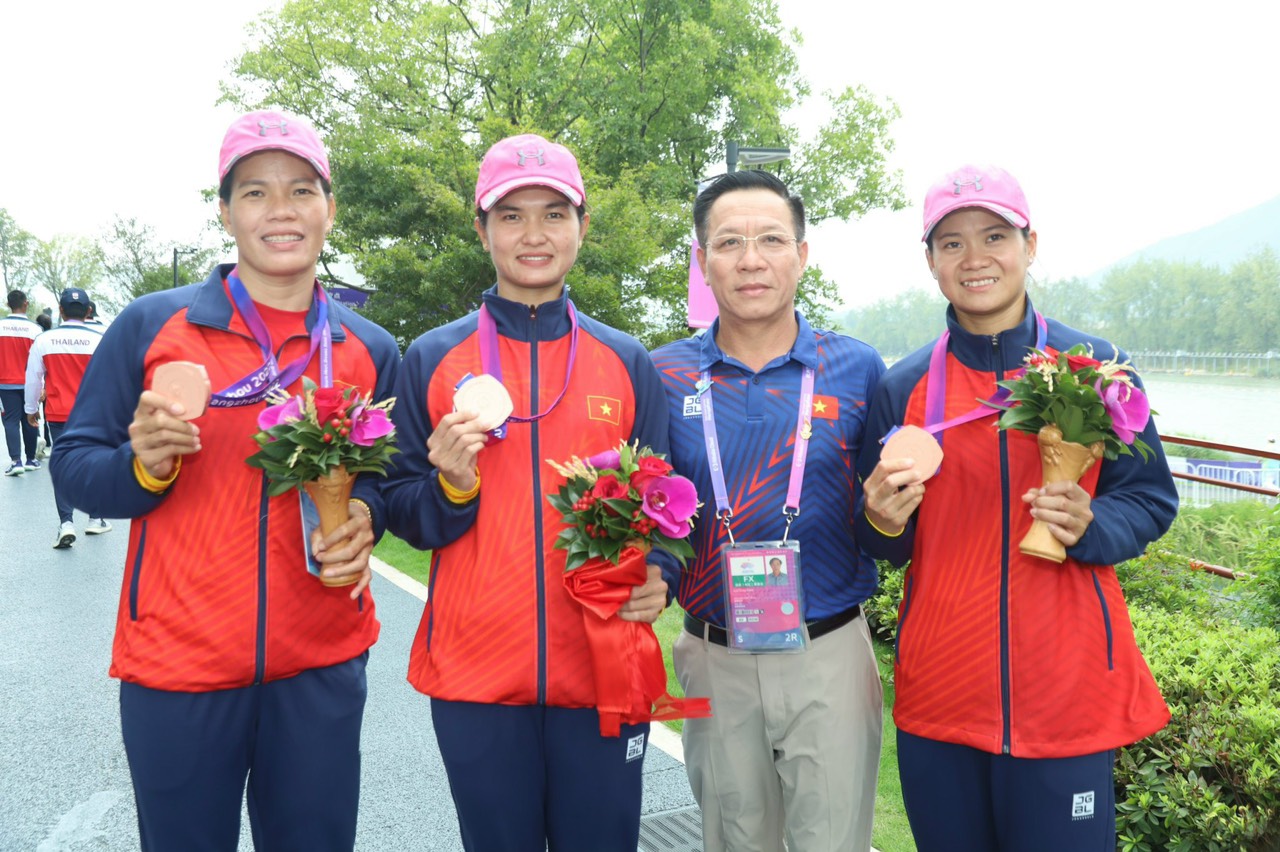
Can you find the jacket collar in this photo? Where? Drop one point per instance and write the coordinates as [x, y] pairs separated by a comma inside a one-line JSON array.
[[978, 350], [211, 307], [804, 350], [548, 321]]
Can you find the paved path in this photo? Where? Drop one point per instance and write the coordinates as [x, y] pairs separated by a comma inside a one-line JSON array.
[[64, 781]]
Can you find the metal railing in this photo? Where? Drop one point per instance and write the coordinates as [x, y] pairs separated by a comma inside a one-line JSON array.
[[1215, 480]]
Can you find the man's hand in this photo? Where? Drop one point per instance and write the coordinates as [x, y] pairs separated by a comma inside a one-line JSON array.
[[33, 420], [892, 492], [158, 437], [344, 553], [453, 447], [647, 601], [1065, 507]]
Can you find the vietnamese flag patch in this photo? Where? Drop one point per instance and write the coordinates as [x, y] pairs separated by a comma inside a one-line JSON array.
[[605, 408], [826, 407]]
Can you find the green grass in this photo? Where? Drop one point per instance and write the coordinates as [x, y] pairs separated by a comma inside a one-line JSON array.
[[892, 834]]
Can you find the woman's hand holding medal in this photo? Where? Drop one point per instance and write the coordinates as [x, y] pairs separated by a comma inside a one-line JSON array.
[[162, 430], [481, 404]]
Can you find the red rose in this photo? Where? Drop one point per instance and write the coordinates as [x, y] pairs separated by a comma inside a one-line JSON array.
[[649, 469], [1079, 362], [330, 403], [609, 488]]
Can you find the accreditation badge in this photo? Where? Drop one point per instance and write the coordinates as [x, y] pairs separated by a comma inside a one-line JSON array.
[[764, 609]]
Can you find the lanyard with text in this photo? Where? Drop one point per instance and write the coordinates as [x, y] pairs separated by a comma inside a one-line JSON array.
[[490, 362], [792, 508], [255, 387], [936, 396]]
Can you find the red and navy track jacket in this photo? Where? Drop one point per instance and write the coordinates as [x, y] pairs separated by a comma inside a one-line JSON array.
[[499, 626], [996, 650], [17, 333], [216, 592], [58, 361]]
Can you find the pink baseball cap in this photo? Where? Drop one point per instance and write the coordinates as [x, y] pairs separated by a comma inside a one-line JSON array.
[[988, 187], [271, 131], [528, 160]]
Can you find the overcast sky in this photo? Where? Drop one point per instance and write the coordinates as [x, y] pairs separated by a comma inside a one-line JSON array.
[[1126, 121]]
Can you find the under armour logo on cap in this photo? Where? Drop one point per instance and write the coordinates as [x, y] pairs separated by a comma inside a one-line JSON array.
[[523, 155], [975, 182], [281, 125]]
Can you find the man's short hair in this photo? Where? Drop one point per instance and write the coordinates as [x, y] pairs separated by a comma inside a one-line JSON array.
[[44, 321], [777, 559], [17, 299], [749, 179]]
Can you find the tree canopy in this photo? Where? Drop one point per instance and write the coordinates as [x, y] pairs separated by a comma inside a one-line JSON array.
[[410, 93], [1145, 306]]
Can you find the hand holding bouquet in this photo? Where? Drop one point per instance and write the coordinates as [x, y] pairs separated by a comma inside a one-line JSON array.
[[618, 505]]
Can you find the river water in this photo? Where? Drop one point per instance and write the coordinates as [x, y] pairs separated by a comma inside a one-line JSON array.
[[1226, 409]]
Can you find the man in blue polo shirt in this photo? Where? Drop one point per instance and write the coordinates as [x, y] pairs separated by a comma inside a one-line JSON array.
[[793, 747]]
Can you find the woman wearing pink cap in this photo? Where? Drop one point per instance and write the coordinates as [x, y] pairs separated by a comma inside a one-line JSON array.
[[242, 675], [1016, 677], [501, 649]]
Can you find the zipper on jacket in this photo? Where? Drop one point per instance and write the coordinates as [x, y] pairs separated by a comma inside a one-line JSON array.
[[260, 641], [534, 455], [1006, 700], [1106, 619], [137, 572]]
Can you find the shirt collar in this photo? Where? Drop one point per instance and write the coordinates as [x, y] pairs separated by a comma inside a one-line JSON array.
[[804, 350]]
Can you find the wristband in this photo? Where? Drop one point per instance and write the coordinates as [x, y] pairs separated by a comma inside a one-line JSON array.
[[877, 529], [456, 496], [151, 483], [363, 505]]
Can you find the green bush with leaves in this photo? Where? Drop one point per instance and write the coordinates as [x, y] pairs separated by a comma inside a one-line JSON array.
[[881, 609], [1210, 780]]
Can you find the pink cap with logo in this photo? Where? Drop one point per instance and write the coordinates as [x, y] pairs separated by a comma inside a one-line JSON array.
[[988, 187], [528, 160], [271, 131]]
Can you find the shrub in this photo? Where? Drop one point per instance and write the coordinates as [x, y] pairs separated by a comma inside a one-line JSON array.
[[1211, 779], [881, 609], [1164, 581], [1222, 534]]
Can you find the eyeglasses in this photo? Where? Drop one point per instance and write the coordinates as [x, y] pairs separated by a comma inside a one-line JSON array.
[[773, 243]]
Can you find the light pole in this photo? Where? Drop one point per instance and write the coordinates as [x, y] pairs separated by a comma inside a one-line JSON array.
[[735, 153], [177, 251]]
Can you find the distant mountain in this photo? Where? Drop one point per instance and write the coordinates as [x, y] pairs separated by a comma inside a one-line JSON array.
[[1221, 244]]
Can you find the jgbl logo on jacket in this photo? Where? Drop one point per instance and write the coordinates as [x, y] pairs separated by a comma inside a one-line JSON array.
[[604, 408], [1082, 806]]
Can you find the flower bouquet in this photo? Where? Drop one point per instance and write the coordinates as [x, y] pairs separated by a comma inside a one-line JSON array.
[[618, 505], [318, 441], [1080, 409]]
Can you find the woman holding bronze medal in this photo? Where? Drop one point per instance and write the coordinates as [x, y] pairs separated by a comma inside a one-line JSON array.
[[482, 404], [1017, 677], [236, 663]]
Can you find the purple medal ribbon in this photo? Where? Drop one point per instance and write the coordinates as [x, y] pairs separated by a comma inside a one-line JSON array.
[[491, 363], [800, 453], [936, 395], [255, 387]]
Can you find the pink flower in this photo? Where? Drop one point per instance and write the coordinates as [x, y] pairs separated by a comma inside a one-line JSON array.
[[285, 412], [369, 426], [608, 460], [671, 502], [1127, 406]]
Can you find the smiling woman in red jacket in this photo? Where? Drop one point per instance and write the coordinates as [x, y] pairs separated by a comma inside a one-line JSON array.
[[236, 663], [1016, 677]]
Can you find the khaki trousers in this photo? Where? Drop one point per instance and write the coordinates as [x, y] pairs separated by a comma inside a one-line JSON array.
[[793, 747]]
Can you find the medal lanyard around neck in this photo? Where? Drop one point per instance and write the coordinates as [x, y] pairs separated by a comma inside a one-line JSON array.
[[257, 385], [798, 455], [936, 395], [490, 362]]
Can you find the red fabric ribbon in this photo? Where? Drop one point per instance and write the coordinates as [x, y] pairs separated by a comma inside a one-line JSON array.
[[626, 657]]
